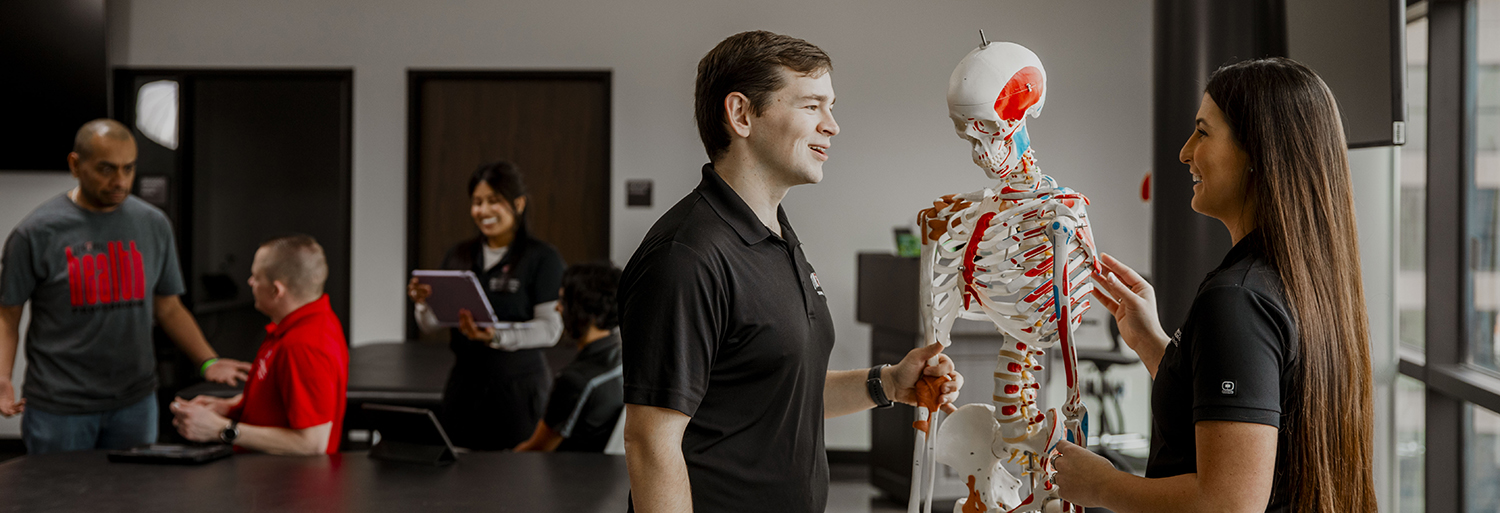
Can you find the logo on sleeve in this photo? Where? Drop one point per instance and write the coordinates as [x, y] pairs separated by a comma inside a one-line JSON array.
[[1226, 388]]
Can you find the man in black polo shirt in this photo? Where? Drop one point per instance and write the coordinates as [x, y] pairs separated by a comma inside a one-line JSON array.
[[726, 331]]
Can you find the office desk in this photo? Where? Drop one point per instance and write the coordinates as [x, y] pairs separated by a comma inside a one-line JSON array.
[[348, 482], [405, 373]]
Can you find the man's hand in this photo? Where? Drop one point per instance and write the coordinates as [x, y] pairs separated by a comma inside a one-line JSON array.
[[219, 405], [9, 406], [197, 422], [10, 338], [228, 372], [900, 380], [470, 329], [1081, 475]]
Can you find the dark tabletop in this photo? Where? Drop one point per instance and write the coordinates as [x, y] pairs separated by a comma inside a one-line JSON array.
[[347, 482], [399, 372]]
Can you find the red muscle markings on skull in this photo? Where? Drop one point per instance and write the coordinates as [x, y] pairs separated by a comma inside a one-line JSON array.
[[1022, 92]]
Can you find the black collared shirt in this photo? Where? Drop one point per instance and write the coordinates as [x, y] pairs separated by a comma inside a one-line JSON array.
[[586, 397], [1235, 359], [529, 274], [726, 322]]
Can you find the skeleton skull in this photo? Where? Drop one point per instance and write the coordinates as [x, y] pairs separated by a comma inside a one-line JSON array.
[[989, 95]]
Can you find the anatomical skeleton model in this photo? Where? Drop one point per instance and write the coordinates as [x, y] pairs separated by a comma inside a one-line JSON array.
[[1017, 254]]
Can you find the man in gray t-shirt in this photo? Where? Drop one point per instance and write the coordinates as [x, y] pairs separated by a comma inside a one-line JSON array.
[[98, 266]]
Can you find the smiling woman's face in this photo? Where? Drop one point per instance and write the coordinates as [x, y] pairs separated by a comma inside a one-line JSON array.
[[492, 213], [1218, 164]]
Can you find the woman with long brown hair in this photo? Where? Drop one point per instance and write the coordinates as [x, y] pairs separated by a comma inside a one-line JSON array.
[[1262, 401]]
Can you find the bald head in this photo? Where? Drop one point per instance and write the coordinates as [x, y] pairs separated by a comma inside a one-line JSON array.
[[297, 262], [105, 128]]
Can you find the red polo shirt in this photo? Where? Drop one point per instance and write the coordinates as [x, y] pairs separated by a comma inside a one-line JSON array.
[[300, 374]]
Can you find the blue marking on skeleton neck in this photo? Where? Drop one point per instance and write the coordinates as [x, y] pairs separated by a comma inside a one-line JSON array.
[[1023, 141]]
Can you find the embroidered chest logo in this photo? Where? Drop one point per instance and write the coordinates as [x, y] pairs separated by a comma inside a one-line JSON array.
[[1177, 337], [263, 365], [504, 284], [113, 277], [817, 284], [1226, 388]]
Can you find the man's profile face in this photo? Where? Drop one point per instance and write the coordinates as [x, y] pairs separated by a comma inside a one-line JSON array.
[[107, 173], [793, 133], [261, 287]]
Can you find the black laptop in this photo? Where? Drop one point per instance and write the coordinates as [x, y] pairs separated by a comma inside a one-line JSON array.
[[410, 435], [172, 454]]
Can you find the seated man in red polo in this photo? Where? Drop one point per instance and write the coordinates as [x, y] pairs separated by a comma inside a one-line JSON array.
[[294, 401]]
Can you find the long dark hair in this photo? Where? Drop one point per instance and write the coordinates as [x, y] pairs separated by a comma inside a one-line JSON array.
[[505, 178], [1299, 186]]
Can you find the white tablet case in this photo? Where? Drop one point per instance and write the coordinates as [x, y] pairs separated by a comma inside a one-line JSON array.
[[454, 290]]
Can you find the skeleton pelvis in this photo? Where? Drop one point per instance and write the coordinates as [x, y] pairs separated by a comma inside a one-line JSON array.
[[963, 443], [1035, 437]]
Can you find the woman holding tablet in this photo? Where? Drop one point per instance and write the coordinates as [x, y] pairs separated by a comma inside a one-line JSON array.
[[498, 385]]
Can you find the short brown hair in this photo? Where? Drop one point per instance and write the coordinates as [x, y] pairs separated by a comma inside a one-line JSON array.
[[749, 63], [297, 261]]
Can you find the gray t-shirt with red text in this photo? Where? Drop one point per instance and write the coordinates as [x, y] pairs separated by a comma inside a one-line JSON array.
[[90, 278]]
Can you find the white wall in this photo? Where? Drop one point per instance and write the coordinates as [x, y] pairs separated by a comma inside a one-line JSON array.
[[19, 194], [891, 60]]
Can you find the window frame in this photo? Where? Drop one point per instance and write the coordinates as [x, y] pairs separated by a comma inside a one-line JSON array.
[[1442, 365]]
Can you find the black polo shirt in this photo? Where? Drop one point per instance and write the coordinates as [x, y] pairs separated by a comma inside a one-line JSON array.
[[1235, 359], [529, 274], [724, 321], [587, 397]]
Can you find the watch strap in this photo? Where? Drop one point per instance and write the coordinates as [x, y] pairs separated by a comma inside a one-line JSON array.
[[876, 390]]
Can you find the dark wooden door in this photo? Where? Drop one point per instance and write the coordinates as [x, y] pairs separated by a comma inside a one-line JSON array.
[[554, 126]]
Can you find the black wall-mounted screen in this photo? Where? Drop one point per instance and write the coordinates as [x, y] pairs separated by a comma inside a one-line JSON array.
[[52, 61], [1358, 47]]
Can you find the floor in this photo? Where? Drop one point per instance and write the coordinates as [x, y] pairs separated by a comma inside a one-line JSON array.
[[849, 491]]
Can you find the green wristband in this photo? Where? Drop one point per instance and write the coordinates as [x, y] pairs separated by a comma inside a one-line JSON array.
[[206, 364]]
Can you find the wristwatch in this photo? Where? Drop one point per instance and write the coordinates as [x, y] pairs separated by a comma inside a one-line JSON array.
[[230, 432], [877, 392]]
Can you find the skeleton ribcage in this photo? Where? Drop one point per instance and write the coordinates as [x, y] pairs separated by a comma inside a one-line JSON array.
[[994, 260], [1005, 273]]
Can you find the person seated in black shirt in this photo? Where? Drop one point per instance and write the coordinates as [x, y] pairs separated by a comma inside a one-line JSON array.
[[588, 395]]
